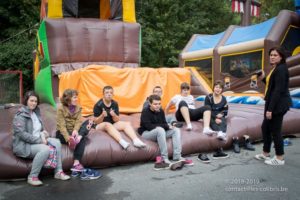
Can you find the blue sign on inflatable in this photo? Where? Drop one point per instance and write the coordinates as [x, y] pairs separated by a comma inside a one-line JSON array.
[[297, 6]]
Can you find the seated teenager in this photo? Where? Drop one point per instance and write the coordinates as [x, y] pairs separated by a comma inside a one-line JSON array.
[[157, 90], [106, 116], [219, 110], [153, 126], [187, 112], [30, 140], [218, 123], [69, 128]]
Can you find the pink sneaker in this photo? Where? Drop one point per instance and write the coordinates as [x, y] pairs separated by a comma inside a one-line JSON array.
[[77, 168], [158, 159], [77, 139], [188, 162], [72, 143]]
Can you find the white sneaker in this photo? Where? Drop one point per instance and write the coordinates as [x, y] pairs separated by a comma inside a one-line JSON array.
[[189, 127], [208, 131], [61, 176], [222, 136], [35, 181], [274, 161], [262, 157]]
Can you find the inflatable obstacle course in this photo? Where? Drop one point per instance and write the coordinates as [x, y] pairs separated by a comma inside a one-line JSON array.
[[237, 53]]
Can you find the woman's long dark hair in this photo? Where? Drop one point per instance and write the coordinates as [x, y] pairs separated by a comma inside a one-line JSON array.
[[31, 94]]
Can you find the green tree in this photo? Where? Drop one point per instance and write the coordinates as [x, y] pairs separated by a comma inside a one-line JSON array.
[[18, 24], [167, 25], [17, 15], [271, 8]]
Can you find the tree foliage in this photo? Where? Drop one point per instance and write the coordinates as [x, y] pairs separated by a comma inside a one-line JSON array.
[[17, 15], [18, 24], [271, 8], [167, 25]]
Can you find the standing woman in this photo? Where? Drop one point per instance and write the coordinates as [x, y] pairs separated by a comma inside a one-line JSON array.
[[278, 102], [29, 139]]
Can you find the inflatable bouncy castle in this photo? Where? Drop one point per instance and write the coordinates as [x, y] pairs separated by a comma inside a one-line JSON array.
[[75, 34], [86, 45], [236, 54]]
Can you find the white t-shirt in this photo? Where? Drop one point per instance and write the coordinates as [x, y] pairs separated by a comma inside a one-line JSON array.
[[188, 99], [37, 126]]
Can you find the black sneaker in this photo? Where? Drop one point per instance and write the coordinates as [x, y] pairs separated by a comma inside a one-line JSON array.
[[220, 154], [249, 146], [236, 145], [161, 166], [203, 158], [177, 165], [177, 124]]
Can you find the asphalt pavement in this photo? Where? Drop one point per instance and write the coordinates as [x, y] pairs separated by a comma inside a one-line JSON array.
[[238, 177]]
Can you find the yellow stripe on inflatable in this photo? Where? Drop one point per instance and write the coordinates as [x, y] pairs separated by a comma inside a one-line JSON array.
[[287, 31], [128, 11], [36, 66], [212, 67], [296, 51], [104, 9], [228, 93], [55, 9], [200, 79]]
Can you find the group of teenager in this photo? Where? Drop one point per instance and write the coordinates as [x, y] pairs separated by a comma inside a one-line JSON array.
[[31, 140]]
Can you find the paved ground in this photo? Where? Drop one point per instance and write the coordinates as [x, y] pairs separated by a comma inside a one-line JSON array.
[[238, 177]]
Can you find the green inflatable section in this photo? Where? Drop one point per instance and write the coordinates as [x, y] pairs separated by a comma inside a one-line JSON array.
[[43, 81]]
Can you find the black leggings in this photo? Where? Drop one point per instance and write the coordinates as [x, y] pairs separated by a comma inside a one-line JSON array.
[[271, 129], [195, 114], [79, 150]]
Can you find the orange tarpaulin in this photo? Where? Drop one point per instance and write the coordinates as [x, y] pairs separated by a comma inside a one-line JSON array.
[[131, 85]]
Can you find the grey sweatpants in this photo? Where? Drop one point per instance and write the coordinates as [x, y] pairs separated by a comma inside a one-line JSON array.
[[159, 134], [40, 153]]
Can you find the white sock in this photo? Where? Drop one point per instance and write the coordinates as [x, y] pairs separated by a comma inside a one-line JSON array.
[[124, 144], [220, 134], [138, 143], [189, 126], [167, 161], [208, 131]]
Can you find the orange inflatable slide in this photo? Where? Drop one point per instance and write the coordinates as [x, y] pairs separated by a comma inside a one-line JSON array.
[[131, 85]]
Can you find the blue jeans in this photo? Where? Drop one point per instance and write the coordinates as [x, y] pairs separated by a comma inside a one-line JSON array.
[[160, 135]]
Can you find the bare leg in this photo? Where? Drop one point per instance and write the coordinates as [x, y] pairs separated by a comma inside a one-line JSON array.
[[185, 114], [127, 128], [76, 162], [110, 129], [206, 121], [206, 118], [266, 154]]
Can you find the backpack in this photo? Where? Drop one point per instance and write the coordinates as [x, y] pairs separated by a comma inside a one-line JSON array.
[[51, 162]]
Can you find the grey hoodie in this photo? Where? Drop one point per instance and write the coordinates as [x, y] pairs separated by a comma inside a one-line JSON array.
[[22, 132]]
